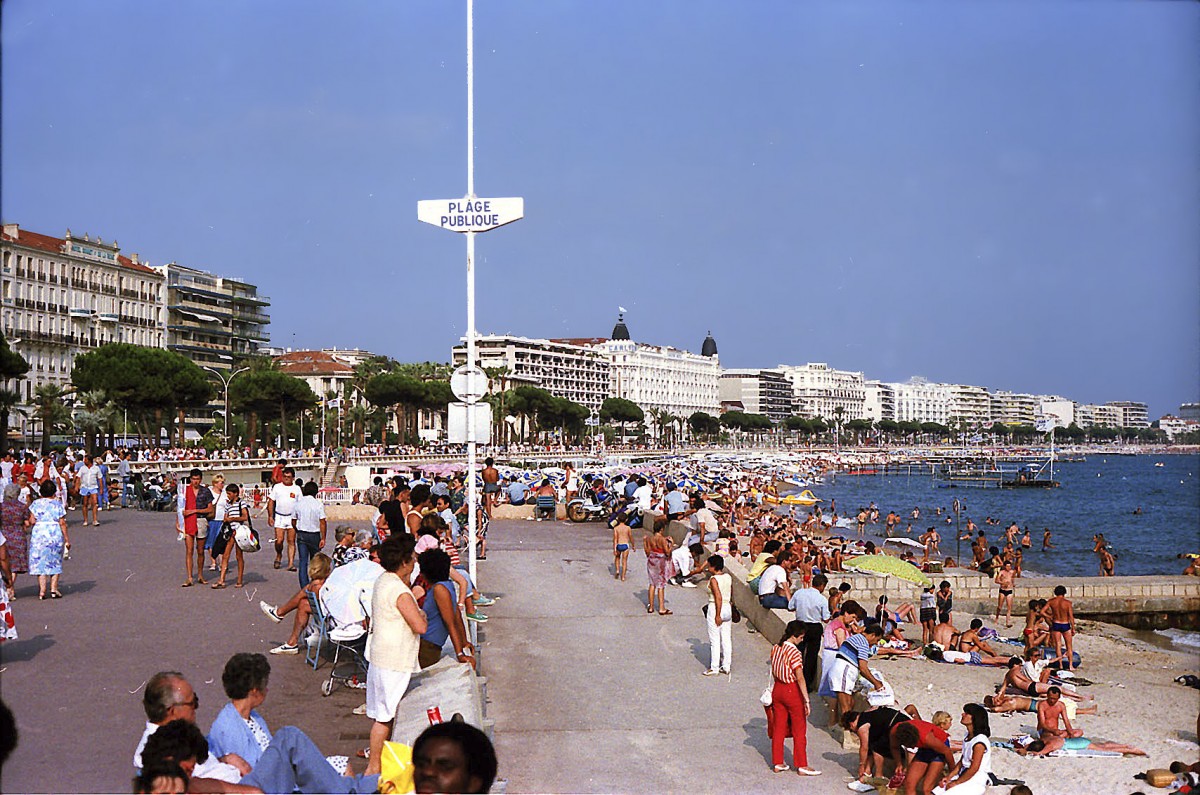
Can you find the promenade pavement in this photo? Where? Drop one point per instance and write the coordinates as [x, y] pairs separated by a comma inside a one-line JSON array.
[[588, 692], [591, 694], [74, 679]]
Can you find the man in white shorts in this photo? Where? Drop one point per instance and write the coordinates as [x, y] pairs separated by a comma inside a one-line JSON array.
[[850, 663], [281, 513]]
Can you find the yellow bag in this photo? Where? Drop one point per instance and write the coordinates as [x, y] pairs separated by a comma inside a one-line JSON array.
[[396, 769], [1158, 777]]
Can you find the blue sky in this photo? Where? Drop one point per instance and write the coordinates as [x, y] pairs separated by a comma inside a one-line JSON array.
[[994, 193]]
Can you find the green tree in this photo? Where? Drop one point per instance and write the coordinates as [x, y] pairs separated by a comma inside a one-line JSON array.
[[12, 367], [888, 428], [397, 393], [621, 411], [267, 395], [703, 424]]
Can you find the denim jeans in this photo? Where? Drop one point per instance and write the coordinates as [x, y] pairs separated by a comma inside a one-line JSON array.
[[307, 545], [773, 601], [292, 763]]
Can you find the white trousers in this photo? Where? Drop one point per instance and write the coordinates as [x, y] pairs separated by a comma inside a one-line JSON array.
[[720, 641]]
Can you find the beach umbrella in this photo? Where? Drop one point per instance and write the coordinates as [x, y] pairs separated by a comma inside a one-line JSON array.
[[886, 564]]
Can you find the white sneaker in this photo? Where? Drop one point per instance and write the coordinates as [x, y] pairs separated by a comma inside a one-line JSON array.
[[269, 610], [360, 709], [709, 672], [687, 584], [285, 649]]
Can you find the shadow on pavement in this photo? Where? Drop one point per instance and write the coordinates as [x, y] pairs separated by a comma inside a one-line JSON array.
[[72, 588], [24, 650], [700, 650], [756, 737]]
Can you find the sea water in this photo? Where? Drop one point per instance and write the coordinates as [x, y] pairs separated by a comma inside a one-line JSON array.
[[1099, 495]]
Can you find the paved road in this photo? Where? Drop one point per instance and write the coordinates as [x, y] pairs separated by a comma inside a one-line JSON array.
[[591, 694]]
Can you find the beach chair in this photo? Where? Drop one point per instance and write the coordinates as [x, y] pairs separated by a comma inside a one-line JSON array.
[[318, 631], [545, 506]]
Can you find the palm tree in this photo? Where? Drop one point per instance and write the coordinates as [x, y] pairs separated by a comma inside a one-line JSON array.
[[50, 408]]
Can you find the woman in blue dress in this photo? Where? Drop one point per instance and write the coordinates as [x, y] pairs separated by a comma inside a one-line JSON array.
[[48, 540]]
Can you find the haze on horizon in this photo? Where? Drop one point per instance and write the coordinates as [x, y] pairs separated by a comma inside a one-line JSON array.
[[988, 193]]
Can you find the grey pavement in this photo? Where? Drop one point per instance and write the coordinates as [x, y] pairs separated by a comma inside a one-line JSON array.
[[591, 694]]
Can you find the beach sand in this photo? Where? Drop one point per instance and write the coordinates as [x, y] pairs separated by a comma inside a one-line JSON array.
[[1139, 704]]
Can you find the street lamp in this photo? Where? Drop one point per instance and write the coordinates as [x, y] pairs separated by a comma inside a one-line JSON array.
[[225, 380]]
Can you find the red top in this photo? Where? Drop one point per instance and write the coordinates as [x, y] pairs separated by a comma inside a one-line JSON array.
[[925, 728], [189, 521]]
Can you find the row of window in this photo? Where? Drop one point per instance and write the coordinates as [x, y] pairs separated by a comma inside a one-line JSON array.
[[38, 268]]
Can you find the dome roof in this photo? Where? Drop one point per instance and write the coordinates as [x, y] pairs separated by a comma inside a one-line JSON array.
[[620, 331], [709, 348]]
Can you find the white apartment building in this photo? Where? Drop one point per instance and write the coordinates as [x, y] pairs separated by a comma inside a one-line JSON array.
[[1091, 416], [1060, 408], [1014, 408], [69, 295], [917, 400], [1189, 411], [1173, 426], [879, 401], [820, 390], [213, 320], [766, 392], [575, 372], [1133, 414], [970, 406]]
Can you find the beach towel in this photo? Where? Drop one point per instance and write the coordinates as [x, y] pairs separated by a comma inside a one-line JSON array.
[[1084, 753]]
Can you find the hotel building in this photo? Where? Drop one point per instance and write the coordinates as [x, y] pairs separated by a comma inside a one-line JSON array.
[[819, 390], [67, 295]]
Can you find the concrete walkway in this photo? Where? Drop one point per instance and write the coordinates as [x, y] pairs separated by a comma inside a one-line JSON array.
[[591, 694]]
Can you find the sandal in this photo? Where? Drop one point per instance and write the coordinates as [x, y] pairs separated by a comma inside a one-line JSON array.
[[363, 753], [665, 613], [291, 568], [201, 581], [277, 564], [216, 586], [649, 609], [55, 595], [187, 584], [239, 585]]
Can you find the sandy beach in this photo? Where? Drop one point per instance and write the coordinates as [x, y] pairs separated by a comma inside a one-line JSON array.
[[1139, 704]]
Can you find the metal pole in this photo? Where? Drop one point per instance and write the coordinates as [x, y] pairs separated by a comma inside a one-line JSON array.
[[472, 519]]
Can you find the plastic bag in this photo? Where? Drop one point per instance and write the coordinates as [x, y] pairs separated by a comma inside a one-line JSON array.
[[245, 537], [396, 768]]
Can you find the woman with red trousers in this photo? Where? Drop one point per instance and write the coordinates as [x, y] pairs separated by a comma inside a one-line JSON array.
[[789, 701]]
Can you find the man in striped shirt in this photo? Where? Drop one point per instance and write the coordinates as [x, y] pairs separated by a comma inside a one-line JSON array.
[[850, 663]]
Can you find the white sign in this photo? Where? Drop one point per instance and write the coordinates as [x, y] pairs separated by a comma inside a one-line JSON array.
[[591, 422], [456, 427], [463, 389], [471, 214]]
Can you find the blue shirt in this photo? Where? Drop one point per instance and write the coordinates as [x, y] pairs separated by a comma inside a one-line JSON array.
[[855, 649], [810, 605], [675, 502], [517, 491], [630, 488], [230, 735], [437, 631]]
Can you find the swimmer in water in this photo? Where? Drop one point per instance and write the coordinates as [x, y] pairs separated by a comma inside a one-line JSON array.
[[1046, 539]]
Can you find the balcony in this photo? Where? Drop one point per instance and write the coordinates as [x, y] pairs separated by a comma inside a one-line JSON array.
[[108, 317], [82, 313]]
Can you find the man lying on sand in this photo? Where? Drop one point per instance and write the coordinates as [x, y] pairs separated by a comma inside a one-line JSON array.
[[1017, 682]]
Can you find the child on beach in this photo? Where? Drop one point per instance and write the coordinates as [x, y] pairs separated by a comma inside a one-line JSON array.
[[622, 543], [1004, 579], [928, 614]]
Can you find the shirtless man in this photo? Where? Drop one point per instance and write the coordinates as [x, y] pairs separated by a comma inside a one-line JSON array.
[[1050, 713], [930, 539], [1026, 541], [1004, 702], [945, 635], [1061, 615], [1046, 540], [1004, 580], [491, 484], [862, 522], [622, 543], [1108, 563]]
